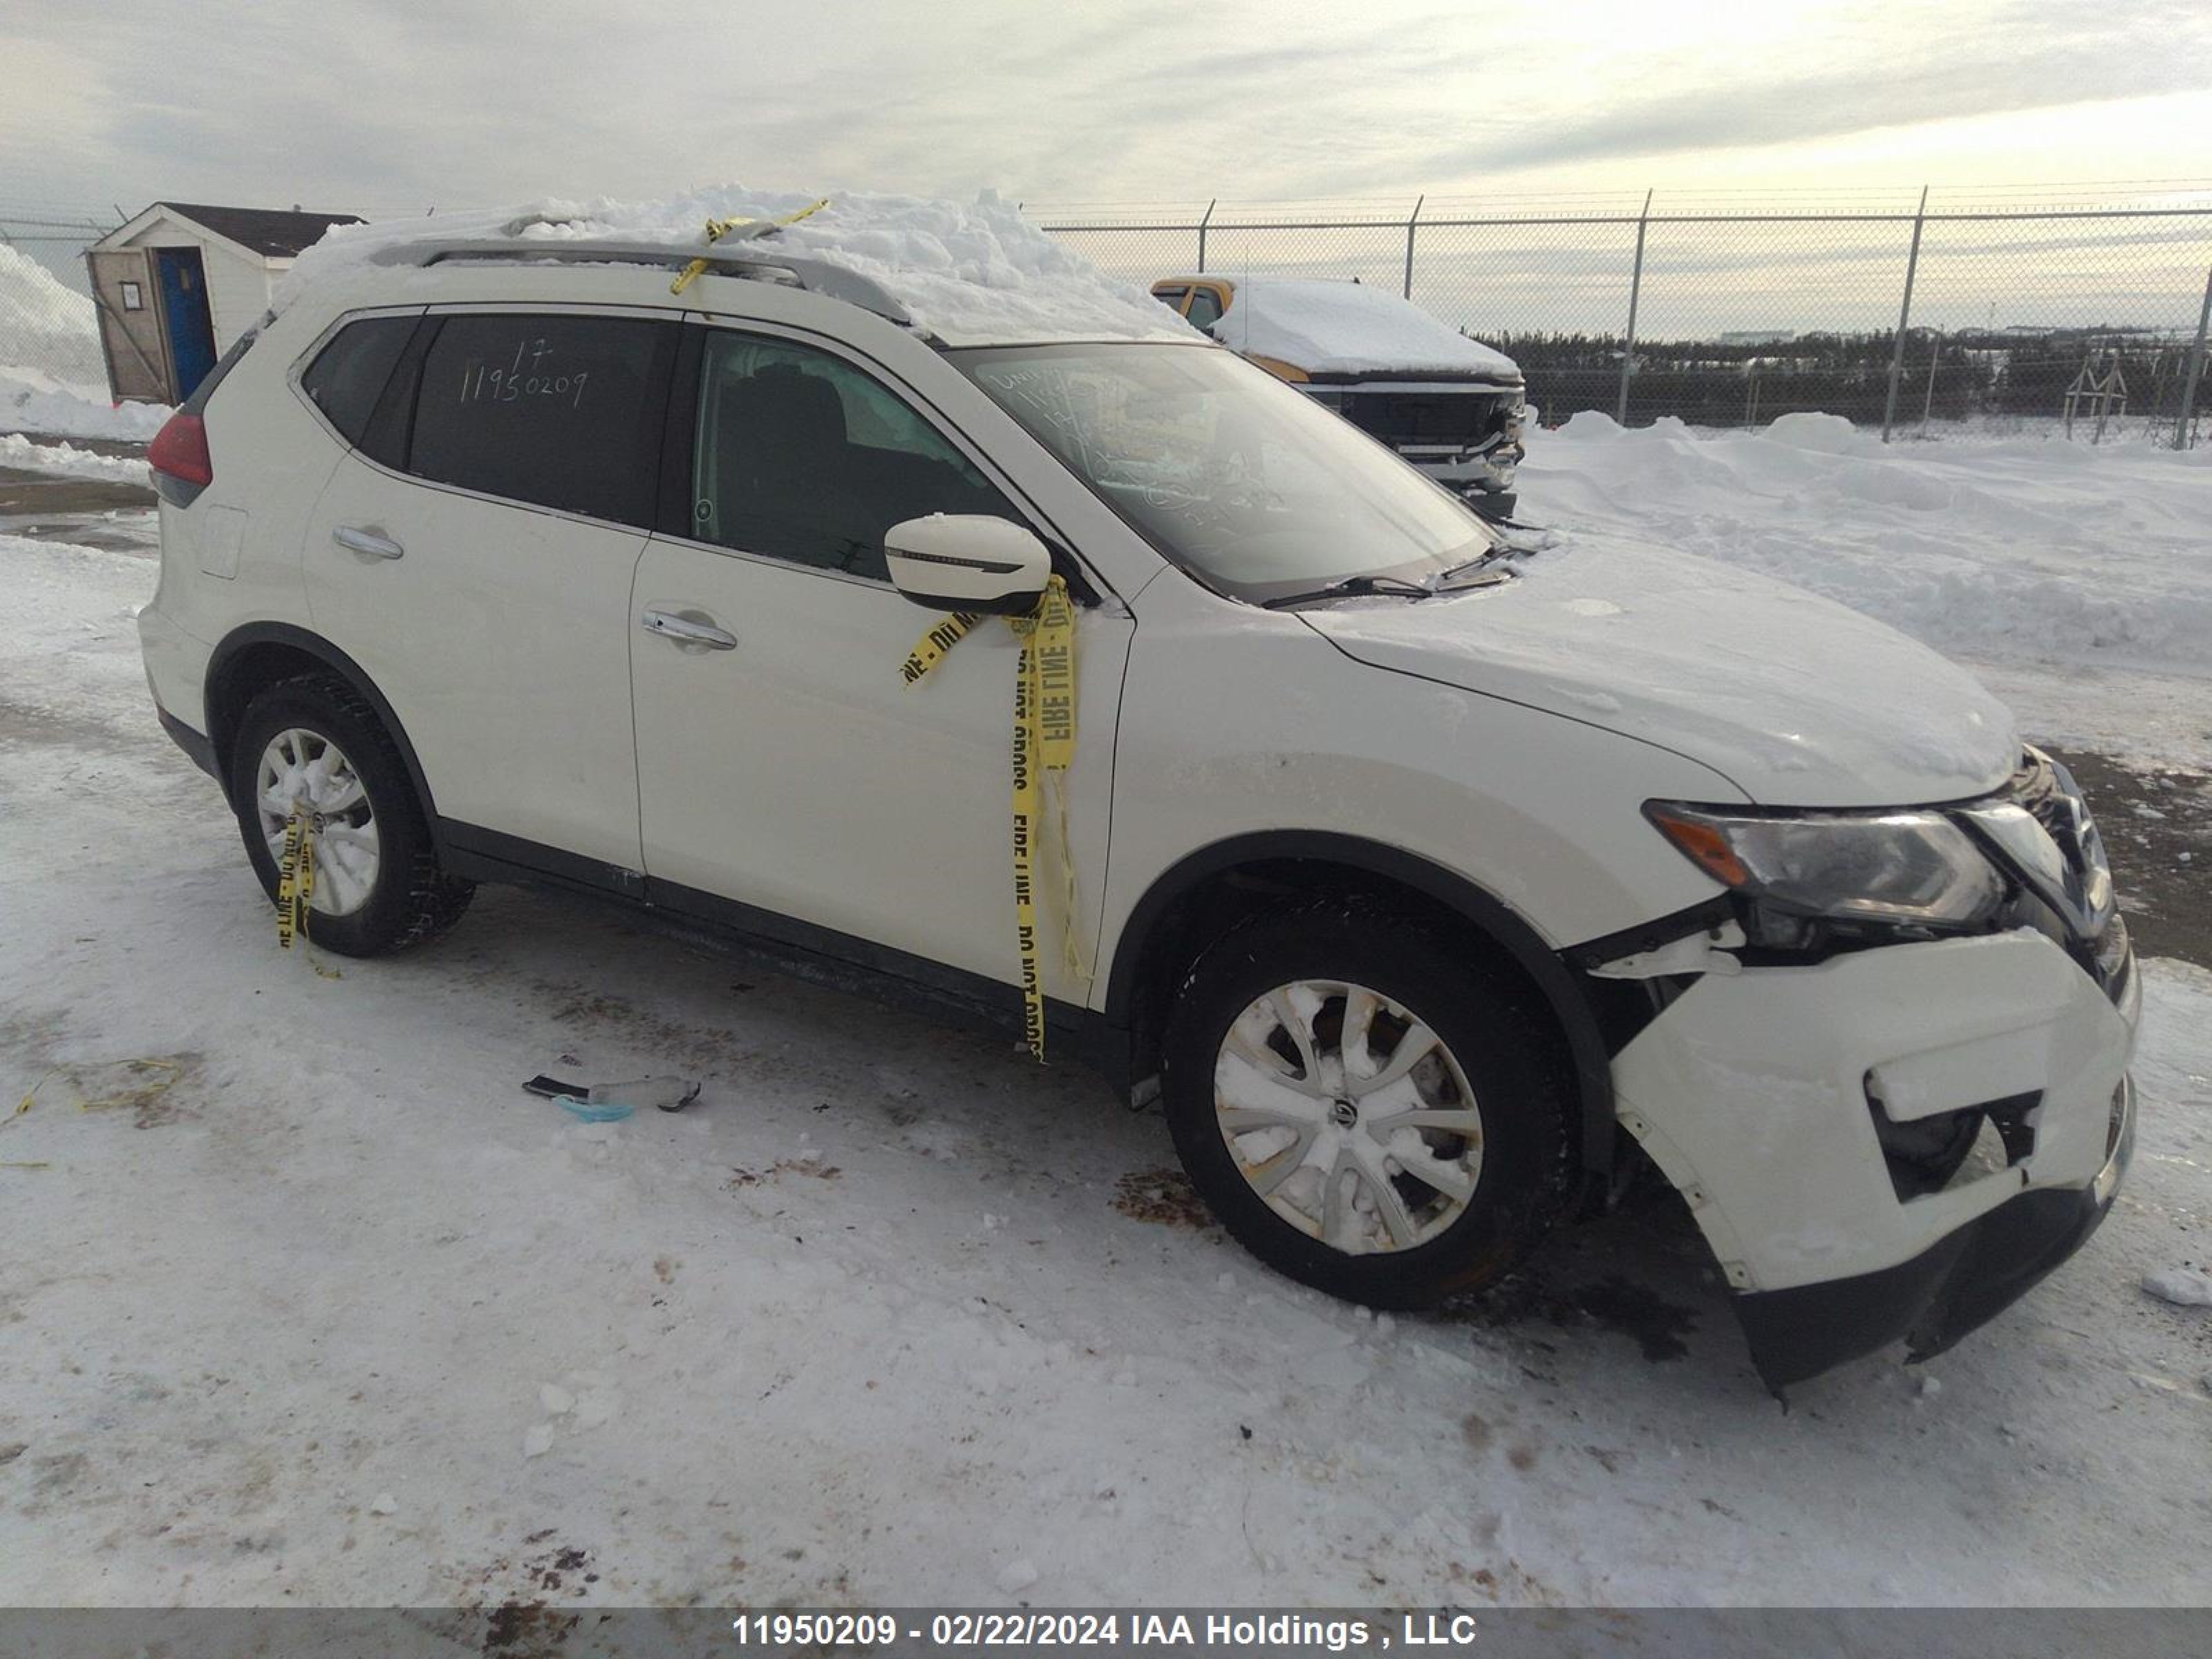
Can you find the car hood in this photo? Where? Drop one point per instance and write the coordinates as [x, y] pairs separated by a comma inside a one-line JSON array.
[[1798, 701]]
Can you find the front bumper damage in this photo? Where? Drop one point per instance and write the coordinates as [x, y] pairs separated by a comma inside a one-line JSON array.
[[1962, 1281], [1770, 1096]]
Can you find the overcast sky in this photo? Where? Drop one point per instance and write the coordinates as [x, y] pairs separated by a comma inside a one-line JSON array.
[[386, 106]]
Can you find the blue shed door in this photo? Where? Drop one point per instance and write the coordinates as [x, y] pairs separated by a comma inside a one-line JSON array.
[[185, 310]]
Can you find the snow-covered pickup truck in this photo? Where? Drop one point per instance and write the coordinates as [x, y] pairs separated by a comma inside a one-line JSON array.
[[1450, 406]]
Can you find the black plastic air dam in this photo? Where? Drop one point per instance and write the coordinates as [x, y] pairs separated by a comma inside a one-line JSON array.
[[1963, 1280]]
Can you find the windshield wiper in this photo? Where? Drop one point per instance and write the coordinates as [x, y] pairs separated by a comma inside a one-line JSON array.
[[1489, 556], [1353, 588]]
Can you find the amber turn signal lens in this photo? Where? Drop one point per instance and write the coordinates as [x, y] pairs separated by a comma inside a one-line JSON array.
[[1707, 847]]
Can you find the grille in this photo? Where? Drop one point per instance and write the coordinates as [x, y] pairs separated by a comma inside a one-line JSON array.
[[1434, 417], [2089, 923]]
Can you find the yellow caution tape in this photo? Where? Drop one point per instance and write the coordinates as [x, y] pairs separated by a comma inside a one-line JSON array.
[[718, 228], [929, 650], [1044, 745], [295, 879], [295, 889]]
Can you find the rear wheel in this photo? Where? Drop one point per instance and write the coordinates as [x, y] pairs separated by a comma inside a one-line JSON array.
[[312, 748], [1366, 1109]]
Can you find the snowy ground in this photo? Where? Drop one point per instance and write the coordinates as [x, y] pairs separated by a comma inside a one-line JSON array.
[[891, 1315]]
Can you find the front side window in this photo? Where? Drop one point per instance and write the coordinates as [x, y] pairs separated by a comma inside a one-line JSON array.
[[802, 456], [558, 411], [348, 375], [1253, 487]]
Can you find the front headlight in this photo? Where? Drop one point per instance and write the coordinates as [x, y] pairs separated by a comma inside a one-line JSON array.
[[1911, 869]]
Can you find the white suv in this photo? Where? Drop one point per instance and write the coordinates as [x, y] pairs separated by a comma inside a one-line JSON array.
[[1434, 887]]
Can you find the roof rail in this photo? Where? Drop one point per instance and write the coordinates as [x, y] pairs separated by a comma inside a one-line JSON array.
[[748, 259]]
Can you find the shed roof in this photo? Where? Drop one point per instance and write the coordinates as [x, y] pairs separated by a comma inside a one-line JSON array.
[[273, 232]]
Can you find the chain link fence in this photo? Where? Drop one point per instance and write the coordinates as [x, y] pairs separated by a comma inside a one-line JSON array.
[[2025, 312], [2014, 312], [49, 331]]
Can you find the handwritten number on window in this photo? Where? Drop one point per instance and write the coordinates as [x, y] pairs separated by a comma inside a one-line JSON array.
[[528, 375]]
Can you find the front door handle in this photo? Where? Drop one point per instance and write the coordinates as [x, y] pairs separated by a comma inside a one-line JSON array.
[[375, 543], [687, 630]]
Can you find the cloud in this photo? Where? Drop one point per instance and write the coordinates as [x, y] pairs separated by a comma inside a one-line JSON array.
[[391, 106]]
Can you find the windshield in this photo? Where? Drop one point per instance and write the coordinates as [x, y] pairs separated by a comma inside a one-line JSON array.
[[1254, 487]]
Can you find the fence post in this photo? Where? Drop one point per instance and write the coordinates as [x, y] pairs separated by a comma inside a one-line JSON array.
[[2195, 369], [1202, 224], [1904, 317], [1410, 220], [1928, 402], [1635, 294]]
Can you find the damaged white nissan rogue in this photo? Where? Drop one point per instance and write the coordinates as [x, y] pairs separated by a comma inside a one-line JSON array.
[[1434, 887]]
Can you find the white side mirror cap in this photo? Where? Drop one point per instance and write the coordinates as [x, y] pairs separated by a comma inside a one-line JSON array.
[[968, 561]]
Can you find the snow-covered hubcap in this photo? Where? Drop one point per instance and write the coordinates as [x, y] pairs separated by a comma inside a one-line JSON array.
[[1348, 1115], [305, 772]]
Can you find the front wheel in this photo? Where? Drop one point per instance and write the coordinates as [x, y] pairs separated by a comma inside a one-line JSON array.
[[314, 748], [1365, 1108]]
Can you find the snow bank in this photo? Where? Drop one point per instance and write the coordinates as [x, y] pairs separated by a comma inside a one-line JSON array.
[[52, 379], [2029, 551], [969, 275], [1338, 328], [69, 461], [31, 402], [45, 327]]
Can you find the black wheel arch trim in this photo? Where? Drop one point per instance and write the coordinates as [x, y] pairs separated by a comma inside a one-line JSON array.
[[244, 638], [1560, 988]]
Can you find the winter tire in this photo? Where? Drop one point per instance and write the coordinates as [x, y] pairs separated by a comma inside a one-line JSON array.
[[1363, 1108], [313, 746]]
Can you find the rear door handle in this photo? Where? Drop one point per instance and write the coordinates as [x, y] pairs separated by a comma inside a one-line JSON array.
[[686, 630], [373, 543]]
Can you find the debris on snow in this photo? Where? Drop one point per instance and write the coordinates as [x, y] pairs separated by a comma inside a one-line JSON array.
[[539, 1441], [557, 1399], [1017, 1577], [384, 1504]]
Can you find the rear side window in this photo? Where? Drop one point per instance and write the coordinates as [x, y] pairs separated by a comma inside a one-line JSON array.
[[348, 375], [1205, 308], [558, 411]]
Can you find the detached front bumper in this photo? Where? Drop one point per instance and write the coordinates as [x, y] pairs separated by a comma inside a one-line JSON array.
[[1776, 1100]]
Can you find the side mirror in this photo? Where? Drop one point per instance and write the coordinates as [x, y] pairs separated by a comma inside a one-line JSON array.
[[968, 561]]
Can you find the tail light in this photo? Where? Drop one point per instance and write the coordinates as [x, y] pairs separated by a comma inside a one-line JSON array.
[[179, 461]]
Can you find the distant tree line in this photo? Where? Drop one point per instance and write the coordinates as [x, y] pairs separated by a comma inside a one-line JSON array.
[[1739, 381]]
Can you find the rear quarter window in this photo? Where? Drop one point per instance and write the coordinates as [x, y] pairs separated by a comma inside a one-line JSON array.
[[556, 411], [348, 375]]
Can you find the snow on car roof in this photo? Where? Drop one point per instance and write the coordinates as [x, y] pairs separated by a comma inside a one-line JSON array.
[[974, 274], [1338, 328]]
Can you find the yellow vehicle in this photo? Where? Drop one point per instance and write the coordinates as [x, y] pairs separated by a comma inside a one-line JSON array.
[[1451, 406]]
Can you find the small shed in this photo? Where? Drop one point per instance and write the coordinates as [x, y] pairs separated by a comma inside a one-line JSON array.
[[180, 282]]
